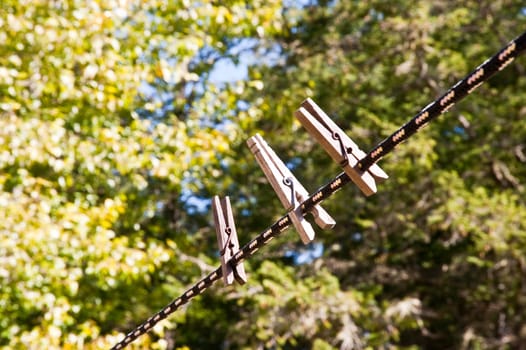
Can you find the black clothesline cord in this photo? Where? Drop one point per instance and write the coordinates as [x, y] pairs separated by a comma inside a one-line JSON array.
[[441, 105]]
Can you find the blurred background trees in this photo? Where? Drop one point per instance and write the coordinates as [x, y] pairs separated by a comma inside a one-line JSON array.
[[119, 120]]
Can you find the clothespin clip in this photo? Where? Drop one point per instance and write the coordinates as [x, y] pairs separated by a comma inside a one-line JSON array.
[[289, 190], [339, 146], [227, 240]]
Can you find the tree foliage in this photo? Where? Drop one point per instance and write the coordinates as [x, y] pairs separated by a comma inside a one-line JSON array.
[[114, 134]]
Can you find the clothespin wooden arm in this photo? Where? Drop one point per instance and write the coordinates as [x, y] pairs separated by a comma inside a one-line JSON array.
[[321, 217], [281, 181]]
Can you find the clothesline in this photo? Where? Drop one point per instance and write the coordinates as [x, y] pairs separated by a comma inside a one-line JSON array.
[[441, 105]]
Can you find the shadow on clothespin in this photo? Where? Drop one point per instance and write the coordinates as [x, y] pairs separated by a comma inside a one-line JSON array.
[[227, 240], [289, 190], [339, 146]]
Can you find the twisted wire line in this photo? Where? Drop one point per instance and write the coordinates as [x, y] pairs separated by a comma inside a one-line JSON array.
[[441, 105]]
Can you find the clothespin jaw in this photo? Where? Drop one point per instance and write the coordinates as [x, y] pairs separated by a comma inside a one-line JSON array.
[[227, 240], [289, 190], [339, 146]]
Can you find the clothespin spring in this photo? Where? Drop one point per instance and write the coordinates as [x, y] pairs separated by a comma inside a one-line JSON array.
[[343, 150], [228, 232], [336, 136], [287, 181]]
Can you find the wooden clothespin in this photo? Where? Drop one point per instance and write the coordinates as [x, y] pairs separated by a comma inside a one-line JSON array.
[[289, 190], [339, 146], [227, 240]]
